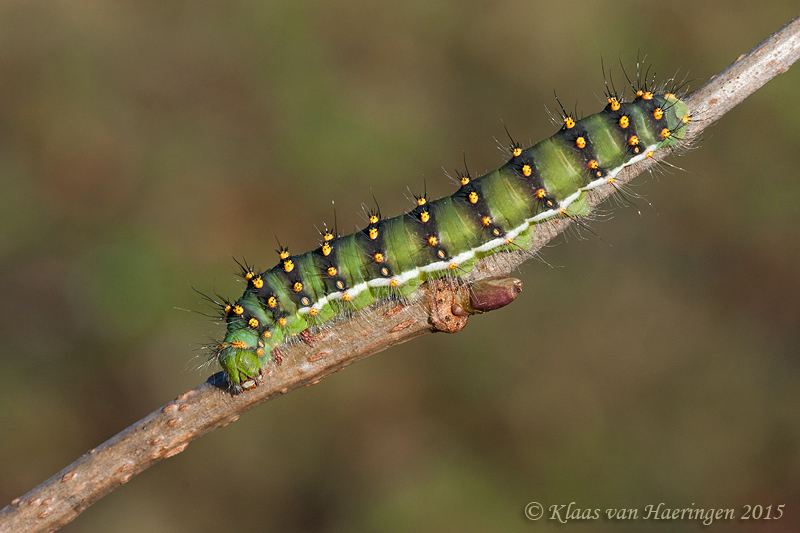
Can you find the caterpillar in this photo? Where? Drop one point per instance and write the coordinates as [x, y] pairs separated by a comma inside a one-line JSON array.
[[490, 214]]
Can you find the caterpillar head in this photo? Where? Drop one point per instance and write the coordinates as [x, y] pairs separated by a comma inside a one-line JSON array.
[[241, 366]]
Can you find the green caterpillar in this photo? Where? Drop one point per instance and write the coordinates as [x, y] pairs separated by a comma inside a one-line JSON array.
[[494, 213]]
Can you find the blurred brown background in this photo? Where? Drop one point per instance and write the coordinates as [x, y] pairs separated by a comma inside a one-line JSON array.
[[142, 144]]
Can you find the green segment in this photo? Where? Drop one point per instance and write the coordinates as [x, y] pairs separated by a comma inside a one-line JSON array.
[[464, 226], [394, 238], [312, 282], [508, 204], [609, 148], [451, 228], [397, 238], [647, 137], [352, 263], [250, 302], [560, 167]]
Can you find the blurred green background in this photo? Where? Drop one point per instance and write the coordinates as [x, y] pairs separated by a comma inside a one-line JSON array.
[[142, 144]]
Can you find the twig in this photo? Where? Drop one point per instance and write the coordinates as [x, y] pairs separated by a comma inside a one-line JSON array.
[[167, 431]]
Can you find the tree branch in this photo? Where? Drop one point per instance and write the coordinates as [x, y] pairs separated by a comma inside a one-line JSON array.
[[167, 431]]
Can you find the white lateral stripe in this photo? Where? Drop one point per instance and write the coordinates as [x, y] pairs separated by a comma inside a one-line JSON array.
[[469, 254]]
